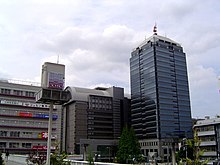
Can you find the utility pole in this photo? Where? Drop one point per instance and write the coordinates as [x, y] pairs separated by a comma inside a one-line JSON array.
[[49, 134]]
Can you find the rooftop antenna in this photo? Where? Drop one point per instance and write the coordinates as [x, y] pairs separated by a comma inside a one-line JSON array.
[[155, 29], [58, 59]]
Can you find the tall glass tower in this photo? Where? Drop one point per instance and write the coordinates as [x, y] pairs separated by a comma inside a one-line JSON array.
[[160, 102]]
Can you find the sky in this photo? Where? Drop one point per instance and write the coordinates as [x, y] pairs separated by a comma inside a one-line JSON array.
[[94, 40]]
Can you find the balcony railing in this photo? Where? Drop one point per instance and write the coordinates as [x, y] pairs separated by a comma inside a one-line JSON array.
[[208, 143], [206, 133]]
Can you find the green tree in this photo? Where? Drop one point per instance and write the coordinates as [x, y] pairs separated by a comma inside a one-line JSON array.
[[194, 154], [58, 159], [90, 158], [129, 147]]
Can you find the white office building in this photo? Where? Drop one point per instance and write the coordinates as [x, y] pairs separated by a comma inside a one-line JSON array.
[[209, 134]]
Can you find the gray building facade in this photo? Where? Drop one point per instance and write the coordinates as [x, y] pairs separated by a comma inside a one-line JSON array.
[[23, 122], [92, 119], [160, 102], [208, 131]]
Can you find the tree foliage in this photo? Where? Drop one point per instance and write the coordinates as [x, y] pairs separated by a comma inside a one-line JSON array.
[[194, 152], [58, 159], [90, 158], [129, 147]]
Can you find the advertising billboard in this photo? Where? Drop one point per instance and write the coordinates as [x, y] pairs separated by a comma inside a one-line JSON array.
[[55, 80], [53, 76]]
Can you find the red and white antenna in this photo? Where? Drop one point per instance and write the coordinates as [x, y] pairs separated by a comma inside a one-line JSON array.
[[155, 29]]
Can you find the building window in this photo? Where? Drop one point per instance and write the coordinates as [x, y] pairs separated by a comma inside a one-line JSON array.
[[3, 133], [26, 145], [29, 94], [13, 145], [2, 144], [27, 134], [14, 134], [206, 128], [18, 92], [6, 91]]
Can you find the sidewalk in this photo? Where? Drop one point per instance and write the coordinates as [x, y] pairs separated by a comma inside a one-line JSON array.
[[14, 160], [10, 162]]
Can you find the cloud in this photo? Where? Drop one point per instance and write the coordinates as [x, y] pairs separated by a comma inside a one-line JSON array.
[[204, 91], [93, 58], [94, 40], [202, 77], [3, 74]]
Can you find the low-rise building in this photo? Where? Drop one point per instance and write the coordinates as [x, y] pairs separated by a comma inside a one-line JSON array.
[[209, 134], [23, 122]]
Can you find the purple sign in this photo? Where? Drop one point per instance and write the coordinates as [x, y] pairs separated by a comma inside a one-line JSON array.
[[56, 80]]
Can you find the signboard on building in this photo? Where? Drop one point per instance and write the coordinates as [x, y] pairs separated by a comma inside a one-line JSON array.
[[55, 80], [53, 76]]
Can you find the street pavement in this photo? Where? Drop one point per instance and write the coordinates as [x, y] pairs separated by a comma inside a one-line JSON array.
[[11, 162]]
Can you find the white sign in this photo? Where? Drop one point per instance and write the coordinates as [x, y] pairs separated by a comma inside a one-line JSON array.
[[26, 104]]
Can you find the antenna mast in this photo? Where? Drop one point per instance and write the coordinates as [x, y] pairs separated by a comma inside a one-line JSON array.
[[58, 59], [155, 29]]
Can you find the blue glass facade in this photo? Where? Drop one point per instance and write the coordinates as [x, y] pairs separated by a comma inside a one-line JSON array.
[[160, 102]]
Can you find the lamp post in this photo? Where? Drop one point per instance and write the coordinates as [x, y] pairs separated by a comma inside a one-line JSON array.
[[49, 134]]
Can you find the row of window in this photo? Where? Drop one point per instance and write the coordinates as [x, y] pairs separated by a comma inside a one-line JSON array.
[[101, 106], [208, 148], [207, 138], [16, 145], [17, 92], [24, 123], [149, 143], [21, 134], [100, 102], [205, 128]]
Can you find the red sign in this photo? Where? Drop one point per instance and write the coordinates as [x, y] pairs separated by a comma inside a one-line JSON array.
[[25, 114], [39, 147], [42, 147], [44, 135]]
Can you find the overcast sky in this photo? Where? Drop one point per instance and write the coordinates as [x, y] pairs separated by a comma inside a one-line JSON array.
[[94, 39]]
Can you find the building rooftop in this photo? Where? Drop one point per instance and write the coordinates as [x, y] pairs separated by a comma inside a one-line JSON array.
[[81, 94], [207, 122], [20, 82], [155, 38]]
